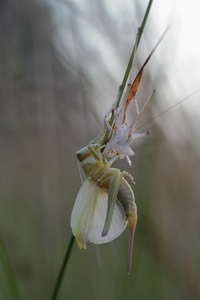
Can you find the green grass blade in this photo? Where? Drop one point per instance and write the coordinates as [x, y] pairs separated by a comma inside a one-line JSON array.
[[130, 63], [9, 272], [63, 267]]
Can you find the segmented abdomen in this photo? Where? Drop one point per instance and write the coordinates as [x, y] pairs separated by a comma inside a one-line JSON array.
[[126, 197]]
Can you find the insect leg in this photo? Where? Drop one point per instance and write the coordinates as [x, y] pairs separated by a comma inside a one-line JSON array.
[[139, 112], [113, 189], [127, 199], [95, 151], [136, 106], [113, 108]]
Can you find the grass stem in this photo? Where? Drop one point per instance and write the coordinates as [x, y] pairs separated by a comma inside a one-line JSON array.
[[63, 268], [130, 63], [9, 271]]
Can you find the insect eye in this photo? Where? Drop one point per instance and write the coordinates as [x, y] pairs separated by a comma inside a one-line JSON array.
[[82, 154]]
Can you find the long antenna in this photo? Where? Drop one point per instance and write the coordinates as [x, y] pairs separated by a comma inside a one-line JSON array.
[[168, 109]]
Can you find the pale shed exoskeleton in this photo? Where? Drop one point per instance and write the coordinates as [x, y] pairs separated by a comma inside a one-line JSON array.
[[122, 134]]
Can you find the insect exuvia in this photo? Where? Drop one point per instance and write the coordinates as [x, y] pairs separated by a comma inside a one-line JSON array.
[[105, 203]]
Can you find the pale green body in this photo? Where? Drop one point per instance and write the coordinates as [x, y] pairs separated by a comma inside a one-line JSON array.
[[97, 168], [105, 203]]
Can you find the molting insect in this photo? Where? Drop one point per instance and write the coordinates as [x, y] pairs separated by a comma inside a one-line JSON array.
[[105, 203]]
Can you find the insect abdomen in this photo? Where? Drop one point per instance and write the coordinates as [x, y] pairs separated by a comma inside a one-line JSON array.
[[126, 196]]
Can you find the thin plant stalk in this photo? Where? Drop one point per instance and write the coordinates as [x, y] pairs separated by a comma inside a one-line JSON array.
[[9, 272], [122, 87], [130, 64], [63, 268]]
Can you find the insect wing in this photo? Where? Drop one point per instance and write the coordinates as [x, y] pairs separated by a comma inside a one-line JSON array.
[[89, 214]]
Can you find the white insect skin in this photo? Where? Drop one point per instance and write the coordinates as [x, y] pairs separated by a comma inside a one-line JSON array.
[[121, 134]]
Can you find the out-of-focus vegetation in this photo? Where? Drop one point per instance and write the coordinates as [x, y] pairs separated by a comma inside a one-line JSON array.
[[56, 86]]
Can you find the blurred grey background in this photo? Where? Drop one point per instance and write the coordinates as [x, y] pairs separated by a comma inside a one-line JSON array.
[[61, 63]]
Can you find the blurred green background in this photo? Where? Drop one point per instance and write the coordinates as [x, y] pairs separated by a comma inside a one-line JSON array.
[[61, 63]]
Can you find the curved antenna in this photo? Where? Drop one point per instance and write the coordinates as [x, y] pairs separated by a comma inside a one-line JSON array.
[[168, 109]]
